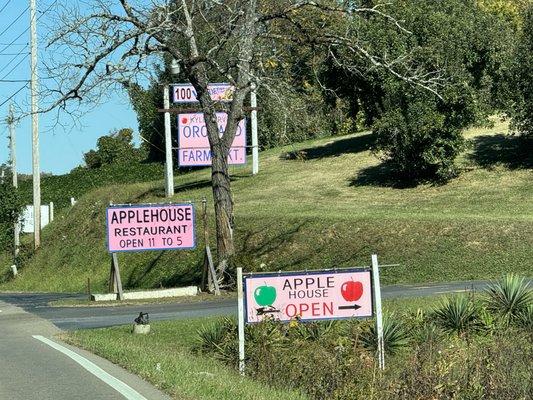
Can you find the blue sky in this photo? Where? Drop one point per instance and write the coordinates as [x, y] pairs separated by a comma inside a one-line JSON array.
[[61, 149]]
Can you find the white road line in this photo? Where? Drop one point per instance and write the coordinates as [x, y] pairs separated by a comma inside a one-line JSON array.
[[116, 384]]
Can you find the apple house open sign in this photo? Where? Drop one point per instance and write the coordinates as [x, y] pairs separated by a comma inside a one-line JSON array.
[[308, 296]]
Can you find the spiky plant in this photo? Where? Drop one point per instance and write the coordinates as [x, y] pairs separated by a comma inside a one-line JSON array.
[[524, 319], [395, 335], [457, 314], [216, 338], [509, 297]]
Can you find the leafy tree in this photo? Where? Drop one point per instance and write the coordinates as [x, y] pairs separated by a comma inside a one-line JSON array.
[[416, 137], [233, 39], [522, 80], [115, 148], [420, 135], [10, 210]]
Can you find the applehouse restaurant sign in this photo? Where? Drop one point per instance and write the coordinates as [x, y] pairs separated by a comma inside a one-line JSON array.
[[308, 296]]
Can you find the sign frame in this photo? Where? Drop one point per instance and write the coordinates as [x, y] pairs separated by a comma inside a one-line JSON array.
[[209, 85], [376, 311], [153, 205], [310, 272], [243, 121]]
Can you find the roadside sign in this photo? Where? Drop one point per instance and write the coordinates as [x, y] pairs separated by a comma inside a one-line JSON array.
[[27, 220], [143, 227], [308, 296], [186, 93], [193, 144]]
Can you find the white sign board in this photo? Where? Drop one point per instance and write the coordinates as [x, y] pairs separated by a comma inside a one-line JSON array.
[[26, 219], [186, 93], [194, 145]]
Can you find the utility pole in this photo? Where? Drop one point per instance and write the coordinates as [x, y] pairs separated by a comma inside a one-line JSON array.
[[35, 130], [12, 147]]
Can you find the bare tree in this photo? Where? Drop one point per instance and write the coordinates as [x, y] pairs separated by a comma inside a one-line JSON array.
[[120, 43]]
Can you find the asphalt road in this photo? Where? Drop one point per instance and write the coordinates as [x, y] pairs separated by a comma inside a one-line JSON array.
[[36, 365], [68, 318], [32, 369]]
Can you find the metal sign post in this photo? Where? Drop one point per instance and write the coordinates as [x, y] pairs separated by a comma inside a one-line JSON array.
[[255, 142], [378, 311], [240, 301], [169, 169]]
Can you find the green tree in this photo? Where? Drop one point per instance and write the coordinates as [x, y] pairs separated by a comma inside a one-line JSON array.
[[521, 109], [10, 210], [114, 148]]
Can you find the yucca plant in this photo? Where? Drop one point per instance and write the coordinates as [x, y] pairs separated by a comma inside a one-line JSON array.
[[395, 335], [457, 314], [509, 297], [314, 331], [524, 319], [217, 338]]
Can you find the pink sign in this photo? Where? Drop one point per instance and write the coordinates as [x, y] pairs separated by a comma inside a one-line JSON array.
[[186, 93], [309, 296], [194, 145], [150, 227]]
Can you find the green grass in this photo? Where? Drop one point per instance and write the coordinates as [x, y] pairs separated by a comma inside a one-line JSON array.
[[164, 358], [331, 210], [183, 374]]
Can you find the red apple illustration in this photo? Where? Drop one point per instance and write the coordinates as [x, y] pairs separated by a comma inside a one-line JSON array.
[[184, 120], [352, 290]]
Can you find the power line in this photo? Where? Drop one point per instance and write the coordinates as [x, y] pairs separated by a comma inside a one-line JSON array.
[[10, 54], [13, 59], [5, 5], [14, 80], [14, 21], [14, 40], [13, 95], [12, 43], [12, 69]]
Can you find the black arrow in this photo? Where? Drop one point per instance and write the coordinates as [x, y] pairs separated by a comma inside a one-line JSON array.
[[355, 307], [266, 310]]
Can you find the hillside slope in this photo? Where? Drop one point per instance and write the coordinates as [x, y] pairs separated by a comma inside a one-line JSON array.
[[330, 206]]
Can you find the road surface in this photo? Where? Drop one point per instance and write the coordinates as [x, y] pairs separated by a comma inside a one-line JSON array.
[[35, 365], [69, 318]]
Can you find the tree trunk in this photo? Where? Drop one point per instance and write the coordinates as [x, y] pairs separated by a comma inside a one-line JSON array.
[[223, 208]]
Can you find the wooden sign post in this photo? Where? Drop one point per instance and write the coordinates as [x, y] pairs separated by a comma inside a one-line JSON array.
[[115, 282], [209, 276]]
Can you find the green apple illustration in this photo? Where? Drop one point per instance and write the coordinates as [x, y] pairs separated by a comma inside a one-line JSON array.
[[265, 295]]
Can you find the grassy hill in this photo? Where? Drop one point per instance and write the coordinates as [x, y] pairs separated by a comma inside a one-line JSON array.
[[320, 204]]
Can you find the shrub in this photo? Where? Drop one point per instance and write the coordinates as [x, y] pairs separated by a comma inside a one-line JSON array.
[[417, 139], [509, 297], [395, 335], [524, 319], [218, 339], [457, 314], [10, 209], [115, 148], [522, 80]]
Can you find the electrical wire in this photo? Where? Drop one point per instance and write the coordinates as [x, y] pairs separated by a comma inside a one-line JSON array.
[[5, 5], [13, 59], [14, 21], [12, 43], [12, 69], [13, 95]]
